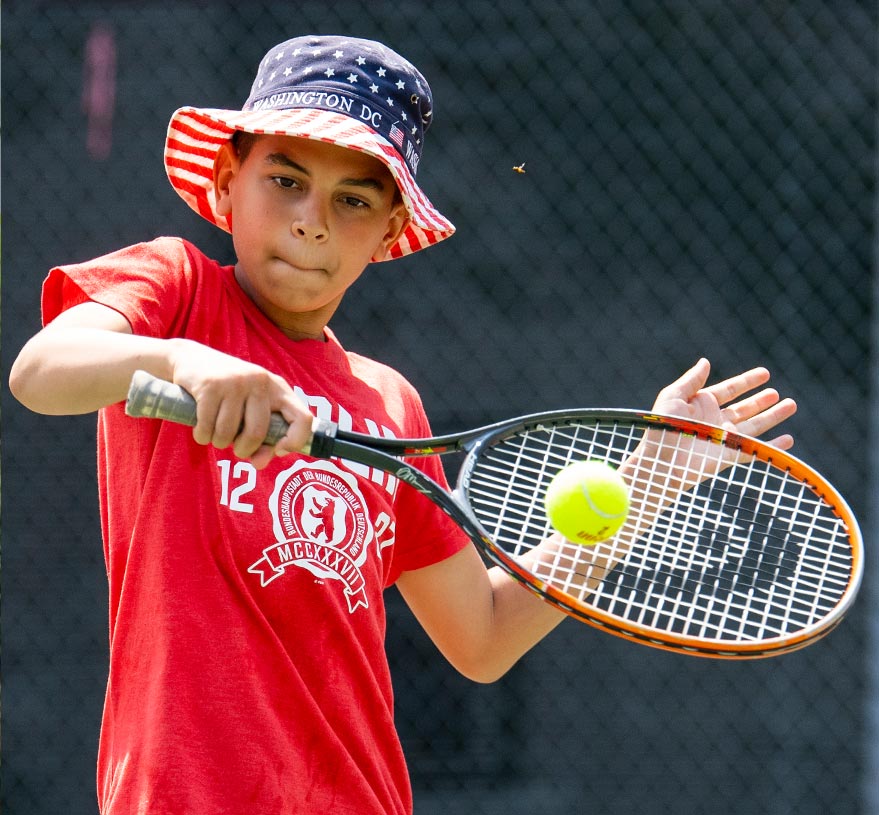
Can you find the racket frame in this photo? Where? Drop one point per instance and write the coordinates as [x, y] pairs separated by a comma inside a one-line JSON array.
[[148, 395]]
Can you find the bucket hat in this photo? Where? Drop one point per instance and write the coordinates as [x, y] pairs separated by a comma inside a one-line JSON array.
[[350, 92]]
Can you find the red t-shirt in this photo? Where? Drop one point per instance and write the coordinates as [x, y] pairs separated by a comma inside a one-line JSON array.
[[247, 663]]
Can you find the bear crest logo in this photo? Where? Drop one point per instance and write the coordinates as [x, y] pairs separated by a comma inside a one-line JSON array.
[[320, 524]]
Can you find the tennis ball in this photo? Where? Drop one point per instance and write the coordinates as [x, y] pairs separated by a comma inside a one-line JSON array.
[[587, 502]]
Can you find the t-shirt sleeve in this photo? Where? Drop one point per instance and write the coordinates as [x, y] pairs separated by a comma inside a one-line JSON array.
[[425, 534], [148, 283]]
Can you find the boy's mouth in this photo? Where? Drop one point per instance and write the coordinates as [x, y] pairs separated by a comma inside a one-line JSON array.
[[304, 268]]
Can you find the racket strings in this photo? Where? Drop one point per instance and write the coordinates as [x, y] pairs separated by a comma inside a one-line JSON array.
[[519, 504], [519, 513], [718, 543]]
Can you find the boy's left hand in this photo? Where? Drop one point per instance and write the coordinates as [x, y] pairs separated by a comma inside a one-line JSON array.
[[689, 398]]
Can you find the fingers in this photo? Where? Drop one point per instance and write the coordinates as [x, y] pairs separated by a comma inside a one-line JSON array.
[[231, 415], [207, 413], [756, 414], [736, 386], [761, 419], [298, 435], [252, 431], [295, 440], [244, 429], [783, 442], [750, 407]]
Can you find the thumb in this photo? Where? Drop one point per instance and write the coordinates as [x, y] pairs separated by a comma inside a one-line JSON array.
[[299, 420], [689, 383]]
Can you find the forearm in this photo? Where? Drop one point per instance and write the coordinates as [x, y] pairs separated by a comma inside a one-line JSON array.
[[520, 620], [85, 358], [481, 620], [81, 369]]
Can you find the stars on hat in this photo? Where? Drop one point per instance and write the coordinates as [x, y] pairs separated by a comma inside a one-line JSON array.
[[269, 73]]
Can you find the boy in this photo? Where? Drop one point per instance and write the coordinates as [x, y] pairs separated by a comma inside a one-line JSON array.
[[247, 668]]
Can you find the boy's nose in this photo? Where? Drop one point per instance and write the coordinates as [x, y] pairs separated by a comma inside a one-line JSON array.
[[310, 222], [309, 231]]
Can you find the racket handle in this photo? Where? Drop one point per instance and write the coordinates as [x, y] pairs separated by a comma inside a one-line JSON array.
[[152, 398]]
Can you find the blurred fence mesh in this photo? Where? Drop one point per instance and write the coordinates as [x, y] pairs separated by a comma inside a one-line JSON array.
[[699, 180]]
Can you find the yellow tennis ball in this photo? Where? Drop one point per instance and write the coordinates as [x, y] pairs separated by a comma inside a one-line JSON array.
[[587, 502]]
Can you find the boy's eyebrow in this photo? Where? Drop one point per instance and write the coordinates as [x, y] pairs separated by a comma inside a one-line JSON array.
[[283, 160]]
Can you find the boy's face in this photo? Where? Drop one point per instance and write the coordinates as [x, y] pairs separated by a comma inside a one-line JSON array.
[[307, 218]]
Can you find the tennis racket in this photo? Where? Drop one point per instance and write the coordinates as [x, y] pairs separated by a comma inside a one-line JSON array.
[[731, 548]]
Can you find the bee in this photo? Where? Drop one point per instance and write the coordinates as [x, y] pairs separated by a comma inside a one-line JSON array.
[[520, 168]]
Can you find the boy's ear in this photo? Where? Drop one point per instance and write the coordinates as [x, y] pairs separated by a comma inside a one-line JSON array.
[[396, 224], [226, 166]]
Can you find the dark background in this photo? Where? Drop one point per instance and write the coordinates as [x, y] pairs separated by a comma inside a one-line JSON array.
[[700, 180]]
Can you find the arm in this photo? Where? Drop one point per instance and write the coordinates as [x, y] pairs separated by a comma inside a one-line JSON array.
[[83, 360], [483, 621]]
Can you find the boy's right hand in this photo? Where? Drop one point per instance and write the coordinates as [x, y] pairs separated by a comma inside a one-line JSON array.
[[235, 401]]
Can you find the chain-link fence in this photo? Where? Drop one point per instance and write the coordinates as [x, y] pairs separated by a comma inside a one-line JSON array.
[[699, 180]]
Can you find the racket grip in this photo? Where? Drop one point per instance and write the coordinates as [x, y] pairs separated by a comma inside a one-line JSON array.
[[152, 398]]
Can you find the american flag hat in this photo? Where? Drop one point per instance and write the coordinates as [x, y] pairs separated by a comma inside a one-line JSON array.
[[350, 92]]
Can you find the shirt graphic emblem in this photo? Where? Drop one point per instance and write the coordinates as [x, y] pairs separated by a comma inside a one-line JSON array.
[[320, 524]]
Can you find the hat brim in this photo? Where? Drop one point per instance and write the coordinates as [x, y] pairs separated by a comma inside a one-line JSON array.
[[195, 135]]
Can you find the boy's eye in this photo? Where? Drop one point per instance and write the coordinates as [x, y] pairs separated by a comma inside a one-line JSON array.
[[351, 201], [284, 181]]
